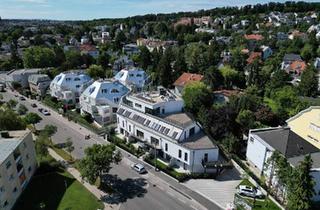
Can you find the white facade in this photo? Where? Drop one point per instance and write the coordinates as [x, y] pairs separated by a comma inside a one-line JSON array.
[[68, 86], [20, 76], [101, 100], [157, 120], [135, 78], [259, 152], [39, 83], [17, 165]]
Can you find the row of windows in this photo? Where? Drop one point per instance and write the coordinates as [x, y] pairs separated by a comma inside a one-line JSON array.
[[179, 152]]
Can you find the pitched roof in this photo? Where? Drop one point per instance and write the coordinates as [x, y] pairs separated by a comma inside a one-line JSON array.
[[287, 142], [314, 156], [87, 47], [291, 57], [297, 66], [186, 78], [253, 56], [256, 37]]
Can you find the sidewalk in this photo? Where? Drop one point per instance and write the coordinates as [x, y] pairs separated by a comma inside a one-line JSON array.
[[93, 189]]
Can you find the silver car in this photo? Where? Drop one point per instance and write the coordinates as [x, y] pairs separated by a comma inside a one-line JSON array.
[[249, 191]]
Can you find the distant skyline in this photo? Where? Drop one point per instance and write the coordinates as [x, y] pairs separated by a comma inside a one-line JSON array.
[[95, 9]]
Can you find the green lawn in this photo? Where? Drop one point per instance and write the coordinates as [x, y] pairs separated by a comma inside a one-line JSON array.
[[65, 155], [50, 189]]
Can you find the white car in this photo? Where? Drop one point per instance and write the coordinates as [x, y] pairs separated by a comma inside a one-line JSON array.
[[139, 168], [45, 112], [250, 191]]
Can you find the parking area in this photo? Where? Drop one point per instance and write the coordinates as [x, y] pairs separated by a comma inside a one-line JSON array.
[[221, 190]]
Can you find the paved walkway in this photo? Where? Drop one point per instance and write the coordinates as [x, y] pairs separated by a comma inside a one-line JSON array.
[[220, 191], [93, 189]]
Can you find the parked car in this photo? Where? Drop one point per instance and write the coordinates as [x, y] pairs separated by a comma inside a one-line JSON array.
[[40, 110], [250, 191], [34, 105], [45, 112], [22, 98], [139, 168]]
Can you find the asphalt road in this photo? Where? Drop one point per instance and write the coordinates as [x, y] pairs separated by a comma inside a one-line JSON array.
[[153, 190]]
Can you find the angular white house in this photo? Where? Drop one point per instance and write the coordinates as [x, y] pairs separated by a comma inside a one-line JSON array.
[[101, 100], [133, 78], [68, 86], [156, 120]]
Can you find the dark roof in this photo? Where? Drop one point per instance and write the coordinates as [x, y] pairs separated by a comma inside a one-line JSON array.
[[199, 141], [314, 156], [287, 142], [292, 57]]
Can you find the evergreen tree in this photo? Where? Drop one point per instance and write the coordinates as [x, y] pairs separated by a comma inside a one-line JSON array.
[[301, 188], [165, 69]]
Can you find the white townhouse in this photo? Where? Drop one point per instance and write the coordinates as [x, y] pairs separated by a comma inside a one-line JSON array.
[[18, 163], [101, 100], [20, 76], [156, 119], [67, 86], [262, 143], [39, 83], [132, 77]]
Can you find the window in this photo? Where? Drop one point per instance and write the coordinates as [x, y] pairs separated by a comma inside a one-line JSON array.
[[114, 91], [68, 79], [6, 203], [2, 189], [154, 141], [137, 105], [185, 156], [8, 164], [11, 177], [191, 131], [129, 128], [180, 153], [140, 134], [116, 100], [27, 157], [15, 190], [77, 86], [77, 79], [166, 147], [29, 169], [114, 109], [122, 123], [205, 159], [251, 139], [104, 90]]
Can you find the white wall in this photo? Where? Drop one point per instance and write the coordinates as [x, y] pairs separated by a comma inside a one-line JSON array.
[[256, 152]]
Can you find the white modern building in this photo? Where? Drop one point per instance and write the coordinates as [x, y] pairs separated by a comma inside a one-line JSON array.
[[132, 77], [101, 100], [17, 165], [68, 86], [262, 143], [156, 119]]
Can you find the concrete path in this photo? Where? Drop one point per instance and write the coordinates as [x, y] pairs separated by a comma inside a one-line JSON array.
[[93, 189], [220, 191]]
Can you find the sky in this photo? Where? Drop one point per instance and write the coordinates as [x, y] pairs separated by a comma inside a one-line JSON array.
[[93, 9]]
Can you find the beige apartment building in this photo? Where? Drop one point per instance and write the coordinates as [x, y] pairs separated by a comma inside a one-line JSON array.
[[17, 165]]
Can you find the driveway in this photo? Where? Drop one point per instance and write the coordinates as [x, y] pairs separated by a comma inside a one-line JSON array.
[[221, 190]]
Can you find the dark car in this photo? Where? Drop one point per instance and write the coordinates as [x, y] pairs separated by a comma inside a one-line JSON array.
[[22, 98], [40, 109], [34, 105]]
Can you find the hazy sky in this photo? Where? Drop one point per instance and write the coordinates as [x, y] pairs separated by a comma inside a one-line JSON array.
[[90, 9]]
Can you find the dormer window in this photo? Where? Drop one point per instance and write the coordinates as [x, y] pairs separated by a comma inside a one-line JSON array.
[[68, 79], [114, 91], [77, 79], [104, 90]]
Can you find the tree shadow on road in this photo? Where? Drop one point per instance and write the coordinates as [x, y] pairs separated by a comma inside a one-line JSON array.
[[122, 190]]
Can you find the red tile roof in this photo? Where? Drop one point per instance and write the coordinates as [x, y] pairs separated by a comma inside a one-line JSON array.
[[87, 47], [297, 66], [256, 37], [253, 56], [186, 78]]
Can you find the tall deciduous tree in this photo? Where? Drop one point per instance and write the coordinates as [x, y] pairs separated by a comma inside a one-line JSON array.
[[309, 82], [196, 95], [95, 71], [9, 120], [32, 118], [98, 160]]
